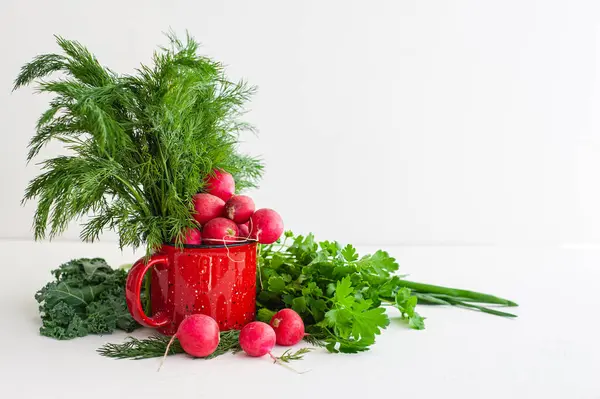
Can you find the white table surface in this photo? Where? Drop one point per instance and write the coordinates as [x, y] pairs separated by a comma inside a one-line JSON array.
[[550, 351]]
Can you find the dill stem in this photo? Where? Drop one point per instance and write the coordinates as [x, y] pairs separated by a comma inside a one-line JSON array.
[[148, 290]]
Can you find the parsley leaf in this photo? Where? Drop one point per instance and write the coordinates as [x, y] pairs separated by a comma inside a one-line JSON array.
[[349, 253], [379, 263], [299, 304], [416, 322], [353, 320], [265, 315], [405, 302], [276, 284]]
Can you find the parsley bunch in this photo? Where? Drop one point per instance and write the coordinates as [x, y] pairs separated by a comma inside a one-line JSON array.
[[341, 296]]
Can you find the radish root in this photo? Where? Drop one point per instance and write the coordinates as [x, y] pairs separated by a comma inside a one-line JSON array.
[[234, 241], [166, 352]]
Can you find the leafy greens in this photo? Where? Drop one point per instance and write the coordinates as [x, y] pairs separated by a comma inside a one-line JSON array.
[[341, 296], [86, 297], [338, 294]]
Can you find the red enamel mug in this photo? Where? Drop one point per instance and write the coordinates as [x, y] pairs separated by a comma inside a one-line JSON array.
[[214, 280]]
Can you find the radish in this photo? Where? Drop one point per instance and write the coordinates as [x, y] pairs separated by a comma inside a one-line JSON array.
[[244, 230], [193, 237], [257, 338], [239, 208], [198, 335], [288, 326], [220, 231], [207, 207], [221, 184], [266, 226]]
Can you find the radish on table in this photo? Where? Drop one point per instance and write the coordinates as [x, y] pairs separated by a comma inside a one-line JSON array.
[[257, 339], [288, 326], [198, 335]]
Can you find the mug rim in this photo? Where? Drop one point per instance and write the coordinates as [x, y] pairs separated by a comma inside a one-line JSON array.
[[211, 246]]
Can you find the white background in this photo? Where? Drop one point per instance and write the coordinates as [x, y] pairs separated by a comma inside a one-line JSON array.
[[461, 136], [381, 122]]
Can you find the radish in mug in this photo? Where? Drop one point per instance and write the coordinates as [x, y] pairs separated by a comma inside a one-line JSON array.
[[219, 231], [239, 208], [221, 184], [244, 230], [207, 207], [266, 226], [193, 237]]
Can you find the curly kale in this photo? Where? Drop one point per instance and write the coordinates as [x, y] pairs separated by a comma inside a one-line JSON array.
[[87, 297]]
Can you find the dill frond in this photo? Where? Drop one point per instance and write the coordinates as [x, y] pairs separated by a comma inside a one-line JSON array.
[[139, 146]]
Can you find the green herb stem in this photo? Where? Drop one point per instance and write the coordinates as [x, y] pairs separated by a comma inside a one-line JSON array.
[[147, 292], [156, 345], [481, 308], [426, 299], [454, 292]]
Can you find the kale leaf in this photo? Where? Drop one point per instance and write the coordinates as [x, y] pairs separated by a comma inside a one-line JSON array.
[[86, 297]]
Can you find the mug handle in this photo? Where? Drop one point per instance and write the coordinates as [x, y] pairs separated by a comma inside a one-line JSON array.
[[133, 289]]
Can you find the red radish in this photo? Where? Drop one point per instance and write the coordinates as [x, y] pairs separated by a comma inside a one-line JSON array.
[[219, 231], [288, 326], [239, 208], [193, 237], [266, 226], [198, 335], [244, 230], [207, 207], [257, 338], [221, 184]]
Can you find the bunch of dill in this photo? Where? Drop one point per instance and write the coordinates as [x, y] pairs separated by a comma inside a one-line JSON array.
[[139, 146]]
